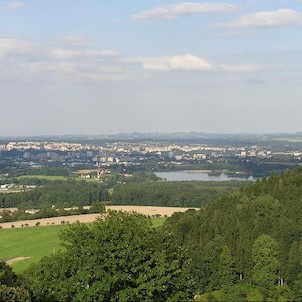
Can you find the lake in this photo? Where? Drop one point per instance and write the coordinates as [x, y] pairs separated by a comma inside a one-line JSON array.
[[199, 175]]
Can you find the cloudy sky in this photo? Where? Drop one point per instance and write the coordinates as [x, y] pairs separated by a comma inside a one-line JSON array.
[[103, 67]]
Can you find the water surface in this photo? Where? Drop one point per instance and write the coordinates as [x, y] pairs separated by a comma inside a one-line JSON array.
[[188, 175]]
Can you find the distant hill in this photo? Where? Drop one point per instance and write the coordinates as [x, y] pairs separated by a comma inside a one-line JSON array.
[[158, 136]]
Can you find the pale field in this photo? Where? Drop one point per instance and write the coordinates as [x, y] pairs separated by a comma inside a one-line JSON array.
[[9, 209], [86, 218]]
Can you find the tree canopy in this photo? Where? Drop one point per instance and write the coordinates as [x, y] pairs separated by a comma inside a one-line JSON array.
[[121, 257]]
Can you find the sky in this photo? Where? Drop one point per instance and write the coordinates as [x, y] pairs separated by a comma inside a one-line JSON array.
[[105, 67]]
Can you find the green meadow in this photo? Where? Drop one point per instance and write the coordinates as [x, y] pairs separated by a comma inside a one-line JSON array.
[[54, 177], [35, 242], [47, 177]]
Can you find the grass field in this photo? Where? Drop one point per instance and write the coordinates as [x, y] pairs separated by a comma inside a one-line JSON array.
[[50, 177], [47, 177], [35, 243], [29, 242]]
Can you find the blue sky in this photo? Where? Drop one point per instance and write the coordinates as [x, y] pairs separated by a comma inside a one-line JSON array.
[[102, 67]]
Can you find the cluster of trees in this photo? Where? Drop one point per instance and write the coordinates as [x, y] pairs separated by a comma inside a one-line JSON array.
[[48, 211], [252, 236], [48, 171], [60, 193], [10, 286], [121, 257], [142, 188], [171, 194]]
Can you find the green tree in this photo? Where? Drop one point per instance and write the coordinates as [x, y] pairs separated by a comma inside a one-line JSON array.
[[119, 258], [7, 276], [226, 267], [9, 286], [265, 261], [294, 265], [13, 294]]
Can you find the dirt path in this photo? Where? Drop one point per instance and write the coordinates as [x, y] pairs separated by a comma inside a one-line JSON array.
[[15, 260], [146, 210]]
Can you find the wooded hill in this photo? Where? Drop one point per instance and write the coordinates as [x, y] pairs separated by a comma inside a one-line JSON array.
[[252, 236]]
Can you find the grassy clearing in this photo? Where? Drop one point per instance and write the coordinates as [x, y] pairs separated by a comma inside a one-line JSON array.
[[29, 242], [211, 296], [159, 221], [53, 178], [47, 177], [35, 242]]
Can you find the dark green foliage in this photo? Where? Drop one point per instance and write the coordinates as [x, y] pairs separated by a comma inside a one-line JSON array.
[[236, 293], [48, 171], [59, 193], [119, 258], [97, 207], [174, 194], [226, 268], [261, 225], [297, 288], [10, 291], [7, 276], [294, 262], [13, 294], [265, 261]]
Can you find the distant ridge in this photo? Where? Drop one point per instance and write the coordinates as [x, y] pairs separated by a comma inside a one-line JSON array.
[[158, 136]]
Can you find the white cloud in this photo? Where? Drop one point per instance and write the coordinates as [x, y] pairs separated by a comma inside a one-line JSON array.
[[11, 6], [186, 63], [23, 60], [74, 71], [65, 54], [173, 11], [29, 62], [10, 46], [266, 19], [239, 68], [74, 39]]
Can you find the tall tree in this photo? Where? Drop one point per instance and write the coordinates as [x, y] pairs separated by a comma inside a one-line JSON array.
[[265, 261], [294, 263], [226, 267]]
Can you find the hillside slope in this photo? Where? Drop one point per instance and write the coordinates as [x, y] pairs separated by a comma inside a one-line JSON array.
[[252, 236]]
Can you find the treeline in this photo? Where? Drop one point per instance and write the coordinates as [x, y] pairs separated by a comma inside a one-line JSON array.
[[48, 211], [58, 193], [142, 188], [171, 194], [48, 171], [253, 237]]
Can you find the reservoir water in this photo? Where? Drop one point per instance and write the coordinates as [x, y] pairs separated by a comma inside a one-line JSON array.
[[199, 175]]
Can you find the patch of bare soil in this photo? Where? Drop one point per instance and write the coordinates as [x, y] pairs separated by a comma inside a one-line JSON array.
[[15, 260]]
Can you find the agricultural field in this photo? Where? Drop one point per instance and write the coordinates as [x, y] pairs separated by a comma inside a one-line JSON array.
[[87, 218], [47, 177], [55, 177], [21, 247]]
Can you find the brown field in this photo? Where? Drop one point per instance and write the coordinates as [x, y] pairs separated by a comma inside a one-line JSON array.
[[9, 209], [86, 218]]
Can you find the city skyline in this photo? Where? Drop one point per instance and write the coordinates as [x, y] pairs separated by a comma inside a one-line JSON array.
[[89, 68]]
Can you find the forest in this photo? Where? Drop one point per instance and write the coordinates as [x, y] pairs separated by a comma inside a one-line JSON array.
[[248, 241], [242, 246]]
